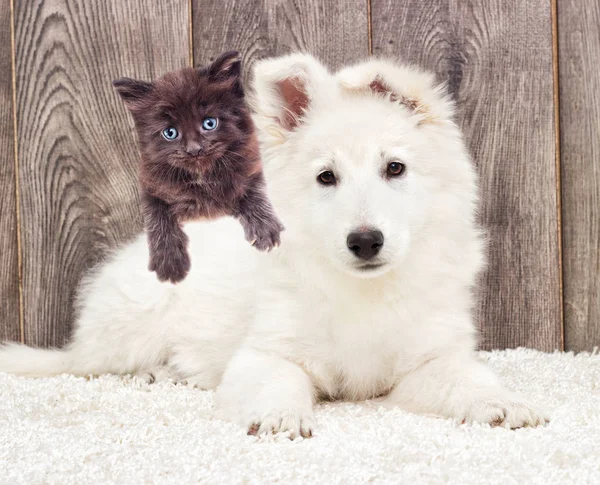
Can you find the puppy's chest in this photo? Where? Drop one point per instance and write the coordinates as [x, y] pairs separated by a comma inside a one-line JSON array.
[[354, 357]]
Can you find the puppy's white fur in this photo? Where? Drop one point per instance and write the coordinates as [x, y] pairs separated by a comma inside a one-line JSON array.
[[276, 332]]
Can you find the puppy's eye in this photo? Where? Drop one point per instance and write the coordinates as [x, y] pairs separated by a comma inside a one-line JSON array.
[[170, 133], [209, 124], [395, 169], [326, 178]]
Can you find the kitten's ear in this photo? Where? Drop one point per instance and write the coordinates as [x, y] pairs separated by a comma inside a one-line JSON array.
[[286, 88], [226, 67], [132, 91]]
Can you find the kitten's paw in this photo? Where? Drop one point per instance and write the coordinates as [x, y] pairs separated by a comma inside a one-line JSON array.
[[263, 234], [509, 413], [171, 265], [292, 422]]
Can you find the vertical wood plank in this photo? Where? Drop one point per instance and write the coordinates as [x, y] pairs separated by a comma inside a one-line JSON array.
[[9, 278], [336, 31], [579, 52], [78, 159], [497, 60]]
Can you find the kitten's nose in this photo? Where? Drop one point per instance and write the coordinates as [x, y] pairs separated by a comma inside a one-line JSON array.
[[193, 148]]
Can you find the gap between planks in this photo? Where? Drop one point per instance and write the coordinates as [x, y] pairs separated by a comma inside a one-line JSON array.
[[369, 28], [556, 93], [191, 32]]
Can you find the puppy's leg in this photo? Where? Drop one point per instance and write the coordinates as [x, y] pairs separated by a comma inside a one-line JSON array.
[[267, 394], [160, 373], [198, 364], [166, 373], [257, 216], [460, 387]]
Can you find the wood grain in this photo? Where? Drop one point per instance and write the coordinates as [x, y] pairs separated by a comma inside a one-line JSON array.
[[336, 31], [9, 277], [78, 159], [579, 52], [497, 60]]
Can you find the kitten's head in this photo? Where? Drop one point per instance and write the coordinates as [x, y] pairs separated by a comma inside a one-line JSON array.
[[191, 117]]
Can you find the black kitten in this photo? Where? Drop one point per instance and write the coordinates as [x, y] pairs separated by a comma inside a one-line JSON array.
[[199, 159]]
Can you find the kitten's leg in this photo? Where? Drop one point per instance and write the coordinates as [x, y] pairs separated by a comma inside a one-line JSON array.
[[267, 394], [167, 241], [261, 225], [458, 386]]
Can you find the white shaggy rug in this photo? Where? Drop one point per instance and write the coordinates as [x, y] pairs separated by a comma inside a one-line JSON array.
[[69, 430]]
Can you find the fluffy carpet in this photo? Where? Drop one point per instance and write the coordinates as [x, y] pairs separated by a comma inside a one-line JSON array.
[[69, 430]]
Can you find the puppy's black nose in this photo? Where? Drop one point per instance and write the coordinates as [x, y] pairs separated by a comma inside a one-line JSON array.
[[365, 244]]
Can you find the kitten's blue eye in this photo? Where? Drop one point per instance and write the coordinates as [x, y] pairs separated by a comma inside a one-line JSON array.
[[170, 133], [210, 124]]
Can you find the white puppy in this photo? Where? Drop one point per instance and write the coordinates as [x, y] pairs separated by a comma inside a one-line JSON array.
[[370, 294]]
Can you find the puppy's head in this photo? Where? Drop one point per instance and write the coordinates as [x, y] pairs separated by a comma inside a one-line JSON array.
[[365, 165]]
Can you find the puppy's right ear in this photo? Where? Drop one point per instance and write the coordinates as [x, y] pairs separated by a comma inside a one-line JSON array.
[[402, 85], [132, 91], [285, 90]]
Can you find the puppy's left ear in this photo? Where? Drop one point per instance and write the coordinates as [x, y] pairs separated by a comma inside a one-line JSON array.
[[226, 67], [405, 86]]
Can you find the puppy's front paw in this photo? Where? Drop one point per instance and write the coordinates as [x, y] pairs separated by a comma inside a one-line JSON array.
[[170, 265], [509, 413], [294, 422], [263, 233]]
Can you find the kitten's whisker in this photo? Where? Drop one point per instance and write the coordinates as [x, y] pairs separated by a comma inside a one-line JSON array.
[[238, 155]]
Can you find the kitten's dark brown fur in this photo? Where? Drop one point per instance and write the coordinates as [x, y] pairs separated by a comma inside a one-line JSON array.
[[201, 173]]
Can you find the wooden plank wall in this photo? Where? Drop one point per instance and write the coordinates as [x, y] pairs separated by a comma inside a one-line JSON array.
[[76, 158], [579, 54], [9, 270], [334, 30]]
